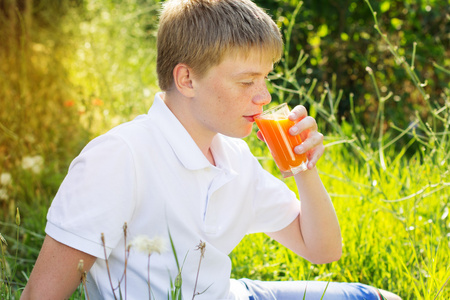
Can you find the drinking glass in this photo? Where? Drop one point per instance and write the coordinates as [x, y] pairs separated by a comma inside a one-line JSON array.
[[274, 125]]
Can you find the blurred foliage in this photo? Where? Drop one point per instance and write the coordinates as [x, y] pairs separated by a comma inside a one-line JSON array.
[[72, 69], [68, 72], [36, 127], [114, 66], [341, 41]]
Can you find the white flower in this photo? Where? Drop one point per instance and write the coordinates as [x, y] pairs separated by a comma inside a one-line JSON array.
[[3, 194], [146, 92], [147, 245], [33, 163], [5, 179]]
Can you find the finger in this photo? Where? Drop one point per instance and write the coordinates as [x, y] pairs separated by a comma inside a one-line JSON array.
[[314, 140], [306, 123], [260, 136], [314, 156], [297, 113]]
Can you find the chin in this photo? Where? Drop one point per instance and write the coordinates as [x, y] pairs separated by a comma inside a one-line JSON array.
[[236, 134], [240, 132], [245, 133]]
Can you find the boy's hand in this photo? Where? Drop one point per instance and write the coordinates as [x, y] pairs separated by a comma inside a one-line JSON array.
[[312, 140]]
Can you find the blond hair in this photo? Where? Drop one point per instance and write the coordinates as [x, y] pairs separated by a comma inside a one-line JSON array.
[[199, 33]]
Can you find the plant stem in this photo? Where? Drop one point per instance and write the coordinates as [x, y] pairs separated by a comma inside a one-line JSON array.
[[125, 227], [148, 278], [201, 247], [107, 265]]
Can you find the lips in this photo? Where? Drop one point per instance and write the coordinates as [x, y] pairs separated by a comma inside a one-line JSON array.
[[251, 118]]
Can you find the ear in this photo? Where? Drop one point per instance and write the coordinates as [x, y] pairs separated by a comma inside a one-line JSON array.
[[182, 76]]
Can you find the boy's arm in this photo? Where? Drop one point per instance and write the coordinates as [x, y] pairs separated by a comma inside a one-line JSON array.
[[315, 234], [55, 274]]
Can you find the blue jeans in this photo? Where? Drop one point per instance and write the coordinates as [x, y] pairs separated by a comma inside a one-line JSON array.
[[309, 290]]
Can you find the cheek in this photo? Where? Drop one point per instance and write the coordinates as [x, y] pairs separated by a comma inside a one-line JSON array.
[[226, 98]]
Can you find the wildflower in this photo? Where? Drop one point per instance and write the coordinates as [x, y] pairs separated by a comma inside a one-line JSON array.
[[33, 163], [178, 281], [102, 237], [80, 267], [202, 247], [3, 194], [148, 246], [97, 102], [30, 138], [83, 276], [146, 92], [69, 103], [17, 217], [5, 179], [3, 240]]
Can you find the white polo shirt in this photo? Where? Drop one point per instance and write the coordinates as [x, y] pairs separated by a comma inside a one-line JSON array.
[[150, 174]]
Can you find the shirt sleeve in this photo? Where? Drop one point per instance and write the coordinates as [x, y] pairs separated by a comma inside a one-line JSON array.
[[275, 206], [96, 197]]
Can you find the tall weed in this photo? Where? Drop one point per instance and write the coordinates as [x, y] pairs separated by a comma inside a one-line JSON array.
[[389, 183], [393, 204]]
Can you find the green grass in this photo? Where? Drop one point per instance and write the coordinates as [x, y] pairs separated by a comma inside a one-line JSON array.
[[390, 185], [393, 205], [400, 243]]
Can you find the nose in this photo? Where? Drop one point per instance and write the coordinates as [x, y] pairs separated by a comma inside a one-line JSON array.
[[262, 96]]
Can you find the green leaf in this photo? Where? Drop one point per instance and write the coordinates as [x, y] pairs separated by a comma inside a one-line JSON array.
[[323, 30], [397, 23], [384, 7]]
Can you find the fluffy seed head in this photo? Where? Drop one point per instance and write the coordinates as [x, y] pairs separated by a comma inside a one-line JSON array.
[[147, 245]]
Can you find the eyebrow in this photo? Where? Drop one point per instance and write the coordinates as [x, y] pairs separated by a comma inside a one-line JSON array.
[[250, 73]]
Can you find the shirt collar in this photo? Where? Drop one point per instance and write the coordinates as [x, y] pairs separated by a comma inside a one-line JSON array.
[[221, 156], [177, 136]]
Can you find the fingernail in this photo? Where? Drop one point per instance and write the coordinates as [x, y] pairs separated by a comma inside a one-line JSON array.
[[292, 116], [294, 130], [299, 149]]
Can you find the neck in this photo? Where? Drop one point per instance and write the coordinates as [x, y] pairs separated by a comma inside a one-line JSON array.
[[179, 106]]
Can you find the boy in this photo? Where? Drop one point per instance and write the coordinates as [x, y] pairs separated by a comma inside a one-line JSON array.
[[183, 169]]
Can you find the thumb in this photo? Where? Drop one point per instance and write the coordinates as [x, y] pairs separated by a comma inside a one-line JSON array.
[[260, 136]]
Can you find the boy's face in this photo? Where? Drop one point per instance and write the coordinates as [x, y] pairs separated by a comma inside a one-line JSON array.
[[230, 94]]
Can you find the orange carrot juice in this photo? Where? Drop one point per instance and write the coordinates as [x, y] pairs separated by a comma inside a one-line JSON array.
[[281, 143]]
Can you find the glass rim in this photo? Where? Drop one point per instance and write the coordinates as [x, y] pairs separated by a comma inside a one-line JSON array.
[[271, 110]]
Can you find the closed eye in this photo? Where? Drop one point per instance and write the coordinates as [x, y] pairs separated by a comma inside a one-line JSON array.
[[249, 83]]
